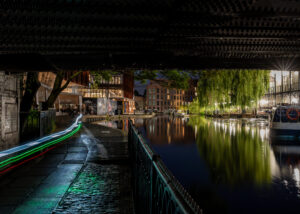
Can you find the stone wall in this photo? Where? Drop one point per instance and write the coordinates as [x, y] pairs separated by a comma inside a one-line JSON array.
[[9, 110]]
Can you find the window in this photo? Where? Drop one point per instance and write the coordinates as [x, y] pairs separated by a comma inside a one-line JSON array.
[[158, 90], [157, 96], [158, 103]]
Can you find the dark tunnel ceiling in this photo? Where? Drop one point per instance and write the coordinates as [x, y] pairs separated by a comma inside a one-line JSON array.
[[187, 34]]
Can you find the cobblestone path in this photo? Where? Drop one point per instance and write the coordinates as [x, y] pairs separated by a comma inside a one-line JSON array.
[[103, 184], [88, 173]]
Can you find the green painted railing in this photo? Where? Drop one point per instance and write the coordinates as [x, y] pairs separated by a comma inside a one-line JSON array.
[[155, 189]]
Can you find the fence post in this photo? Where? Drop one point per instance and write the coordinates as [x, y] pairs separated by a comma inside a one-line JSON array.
[[41, 123]]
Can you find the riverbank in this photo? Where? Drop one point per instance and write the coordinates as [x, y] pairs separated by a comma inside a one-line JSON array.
[[235, 115], [92, 118]]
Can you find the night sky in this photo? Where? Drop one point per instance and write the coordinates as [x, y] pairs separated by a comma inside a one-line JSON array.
[[140, 87]]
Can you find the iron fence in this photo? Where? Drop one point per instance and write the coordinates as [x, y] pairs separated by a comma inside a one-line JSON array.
[[155, 189]]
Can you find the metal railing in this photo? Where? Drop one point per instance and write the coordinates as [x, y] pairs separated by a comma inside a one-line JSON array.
[[155, 189]]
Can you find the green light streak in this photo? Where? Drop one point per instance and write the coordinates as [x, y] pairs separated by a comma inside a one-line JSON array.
[[32, 151]]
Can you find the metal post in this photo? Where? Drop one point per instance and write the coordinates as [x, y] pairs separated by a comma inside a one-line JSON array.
[[298, 87], [290, 87], [275, 90], [281, 88]]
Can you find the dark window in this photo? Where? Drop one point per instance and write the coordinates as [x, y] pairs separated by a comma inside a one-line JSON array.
[[158, 103], [158, 90], [281, 113], [158, 96]]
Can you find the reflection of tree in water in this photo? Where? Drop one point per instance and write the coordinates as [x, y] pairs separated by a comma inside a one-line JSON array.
[[234, 154]]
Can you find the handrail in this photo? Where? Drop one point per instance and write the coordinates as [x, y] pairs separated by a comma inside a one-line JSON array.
[[16, 154], [156, 190]]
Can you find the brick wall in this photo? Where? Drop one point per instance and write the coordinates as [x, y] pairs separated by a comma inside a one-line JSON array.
[[163, 99]]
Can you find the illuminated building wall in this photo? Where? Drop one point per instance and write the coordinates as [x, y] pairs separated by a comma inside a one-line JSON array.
[[161, 98], [119, 90], [284, 88]]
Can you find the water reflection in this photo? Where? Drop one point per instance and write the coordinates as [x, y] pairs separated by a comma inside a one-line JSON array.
[[234, 152], [167, 130], [229, 166]]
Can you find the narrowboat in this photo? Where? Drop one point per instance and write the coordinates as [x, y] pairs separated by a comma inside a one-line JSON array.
[[286, 121]]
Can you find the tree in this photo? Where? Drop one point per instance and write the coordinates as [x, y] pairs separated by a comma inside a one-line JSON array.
[[231, 88], [176, 79], [31, 87], [58, 87], [100, 75]]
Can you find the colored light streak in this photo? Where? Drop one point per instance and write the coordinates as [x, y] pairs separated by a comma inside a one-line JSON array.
[[41, 141], [32, 151], [25, 161]]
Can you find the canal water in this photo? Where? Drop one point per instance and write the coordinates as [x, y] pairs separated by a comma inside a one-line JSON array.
[[228, 165]]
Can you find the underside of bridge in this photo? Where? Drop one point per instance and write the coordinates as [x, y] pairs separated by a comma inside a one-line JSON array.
[[136, 34]]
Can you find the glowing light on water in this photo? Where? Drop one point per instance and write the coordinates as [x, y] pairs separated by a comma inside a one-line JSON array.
[[262, 134], [297, 177]]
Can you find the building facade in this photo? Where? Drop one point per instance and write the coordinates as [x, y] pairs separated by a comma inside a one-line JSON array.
[[284, 89], [9, 109], [139, 103], [70, 98], [162, 99], [114, 96]]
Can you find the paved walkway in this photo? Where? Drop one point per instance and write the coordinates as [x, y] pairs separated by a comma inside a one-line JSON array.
[[89, 173]]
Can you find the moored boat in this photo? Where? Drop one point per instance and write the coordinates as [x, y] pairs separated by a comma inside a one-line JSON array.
[[286, 121]]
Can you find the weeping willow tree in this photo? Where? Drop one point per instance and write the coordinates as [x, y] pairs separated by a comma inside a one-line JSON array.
[[231, 88]]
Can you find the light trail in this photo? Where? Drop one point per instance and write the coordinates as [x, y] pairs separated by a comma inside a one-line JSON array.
[[64, 135]]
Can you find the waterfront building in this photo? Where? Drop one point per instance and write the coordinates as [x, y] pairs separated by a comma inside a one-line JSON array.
[[139, 103], [161, 98], [69, 98], [114, 96], [284, 89]]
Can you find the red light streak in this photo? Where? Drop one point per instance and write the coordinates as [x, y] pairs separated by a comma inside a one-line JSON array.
[[25, 161]]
